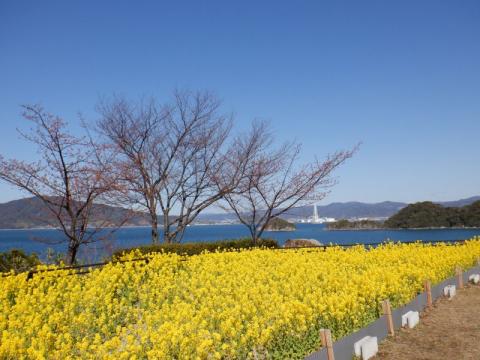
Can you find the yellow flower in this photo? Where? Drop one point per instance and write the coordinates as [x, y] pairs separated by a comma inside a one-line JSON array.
[[223, 305]]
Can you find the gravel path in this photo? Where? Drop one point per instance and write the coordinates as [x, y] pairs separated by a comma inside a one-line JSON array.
[[450, 330]]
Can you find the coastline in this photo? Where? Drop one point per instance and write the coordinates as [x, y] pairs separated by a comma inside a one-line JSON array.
[[218, 224], [398, 229], [290, 229], [113, 227], [52, 228]]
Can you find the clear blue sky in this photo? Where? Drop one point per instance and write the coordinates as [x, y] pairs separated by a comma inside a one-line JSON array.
[[403, 77]]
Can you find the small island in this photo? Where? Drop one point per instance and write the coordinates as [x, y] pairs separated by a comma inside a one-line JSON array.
[[278, 224], [355, 225]]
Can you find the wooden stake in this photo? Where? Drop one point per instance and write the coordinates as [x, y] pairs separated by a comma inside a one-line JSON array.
[[326, 336], [428, 292], [459, 278], [387, 311]]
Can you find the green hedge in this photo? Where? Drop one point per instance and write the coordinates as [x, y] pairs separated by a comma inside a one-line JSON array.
[[199, 247], [17, 261]]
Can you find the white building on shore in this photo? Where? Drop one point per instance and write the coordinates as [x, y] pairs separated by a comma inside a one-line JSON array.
[[315, 219]]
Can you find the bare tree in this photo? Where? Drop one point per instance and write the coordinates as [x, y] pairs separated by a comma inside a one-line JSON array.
[[71, 175], [171, 156], [273, 182], [136, 133]]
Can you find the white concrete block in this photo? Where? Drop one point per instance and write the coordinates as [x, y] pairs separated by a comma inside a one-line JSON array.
[[450, 291], [357, 347], [366, 347], [405, 318], [370, 348], [410, 319], [474, 278], [413, 319]]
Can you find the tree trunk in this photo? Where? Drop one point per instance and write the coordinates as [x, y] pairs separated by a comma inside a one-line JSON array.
[[258, 235], [253, 234], [154, 229], [179, 232], [167, 235], [166, 227], [72, 252]]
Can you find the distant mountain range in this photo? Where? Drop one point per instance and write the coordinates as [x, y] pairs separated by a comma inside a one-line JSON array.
[[459, 203], [351, 209], [30, 213], [345, 210]]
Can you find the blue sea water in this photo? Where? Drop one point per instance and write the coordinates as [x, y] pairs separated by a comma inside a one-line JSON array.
[[39, 240]]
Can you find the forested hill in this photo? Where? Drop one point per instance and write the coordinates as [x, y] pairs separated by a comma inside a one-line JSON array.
[[31, 213], [430, 215]]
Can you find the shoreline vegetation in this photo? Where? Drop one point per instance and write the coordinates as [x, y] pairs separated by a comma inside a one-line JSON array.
[[17, 260], [371, 225], [421, 228]]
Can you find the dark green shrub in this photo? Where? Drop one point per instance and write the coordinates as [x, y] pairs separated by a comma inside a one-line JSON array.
[[197, 248], [17, 261]]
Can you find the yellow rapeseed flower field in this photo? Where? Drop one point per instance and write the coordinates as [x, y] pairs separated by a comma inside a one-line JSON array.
[[231, 305]]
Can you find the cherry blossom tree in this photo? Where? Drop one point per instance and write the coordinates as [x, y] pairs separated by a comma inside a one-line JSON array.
[[71, 176]]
